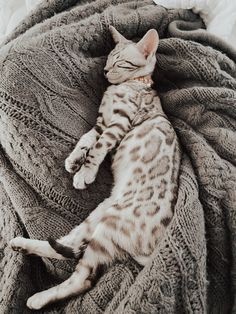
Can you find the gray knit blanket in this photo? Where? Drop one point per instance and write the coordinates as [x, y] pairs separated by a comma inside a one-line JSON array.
[[51, 84]]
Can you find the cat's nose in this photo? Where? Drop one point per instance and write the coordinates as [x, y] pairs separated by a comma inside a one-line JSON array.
[[105, 72]]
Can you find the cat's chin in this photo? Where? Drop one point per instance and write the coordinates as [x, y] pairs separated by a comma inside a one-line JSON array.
[[117, 82], [114, 81]]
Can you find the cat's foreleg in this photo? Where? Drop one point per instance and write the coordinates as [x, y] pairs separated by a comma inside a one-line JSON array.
[[78, 156], [101, 250], [107, 141]]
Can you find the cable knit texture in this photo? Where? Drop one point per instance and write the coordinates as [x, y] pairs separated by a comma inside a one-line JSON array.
[[51, 84]]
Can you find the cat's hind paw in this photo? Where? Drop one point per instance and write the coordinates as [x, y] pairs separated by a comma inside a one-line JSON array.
[[37, 301], [18, 244]]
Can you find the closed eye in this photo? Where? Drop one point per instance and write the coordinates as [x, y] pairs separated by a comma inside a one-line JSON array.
[[124, 66], [134, 65]]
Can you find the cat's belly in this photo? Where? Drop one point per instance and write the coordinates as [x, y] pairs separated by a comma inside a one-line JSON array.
[[145, 179]]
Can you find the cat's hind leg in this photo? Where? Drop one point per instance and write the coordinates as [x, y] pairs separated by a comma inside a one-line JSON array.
[[35, 247], [74, 244], [101, 250], [71, 245]]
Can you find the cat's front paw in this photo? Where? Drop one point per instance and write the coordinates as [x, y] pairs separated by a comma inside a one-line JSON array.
[[18, 244], [86, 175], [76, 159]]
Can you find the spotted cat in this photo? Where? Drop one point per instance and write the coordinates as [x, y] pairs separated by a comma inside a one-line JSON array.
[[145, 165]]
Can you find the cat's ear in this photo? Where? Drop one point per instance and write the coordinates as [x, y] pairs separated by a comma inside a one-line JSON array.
[[149, 43], [116, 35]]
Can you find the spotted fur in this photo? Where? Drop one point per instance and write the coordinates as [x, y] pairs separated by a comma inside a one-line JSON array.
[[145, 165]]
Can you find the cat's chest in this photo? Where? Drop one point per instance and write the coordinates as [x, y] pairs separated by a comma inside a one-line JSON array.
[[119, 98]]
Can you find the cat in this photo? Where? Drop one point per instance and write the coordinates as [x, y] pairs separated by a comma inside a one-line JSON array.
[[145, 166]]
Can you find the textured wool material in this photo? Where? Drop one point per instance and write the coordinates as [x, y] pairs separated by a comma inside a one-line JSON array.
[[51, 85]]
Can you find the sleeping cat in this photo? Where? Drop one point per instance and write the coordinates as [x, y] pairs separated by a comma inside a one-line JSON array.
[[145, 166]]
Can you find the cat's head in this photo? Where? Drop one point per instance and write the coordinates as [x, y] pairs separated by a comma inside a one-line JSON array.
[[129, 60]]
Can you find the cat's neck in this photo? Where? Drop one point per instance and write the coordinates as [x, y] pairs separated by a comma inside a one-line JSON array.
[[147, 80]]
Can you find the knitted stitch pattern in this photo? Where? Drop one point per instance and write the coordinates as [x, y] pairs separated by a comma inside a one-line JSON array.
[[51, 84]]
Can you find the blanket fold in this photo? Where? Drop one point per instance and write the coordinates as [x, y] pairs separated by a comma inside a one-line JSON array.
[[51, 84]]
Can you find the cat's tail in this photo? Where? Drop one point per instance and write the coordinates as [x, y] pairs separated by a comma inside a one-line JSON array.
[[67, 251]]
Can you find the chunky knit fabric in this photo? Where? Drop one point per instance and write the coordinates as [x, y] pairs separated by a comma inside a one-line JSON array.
[[51, 84]]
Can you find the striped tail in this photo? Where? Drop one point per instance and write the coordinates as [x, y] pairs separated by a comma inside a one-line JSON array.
[[67, 251]]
